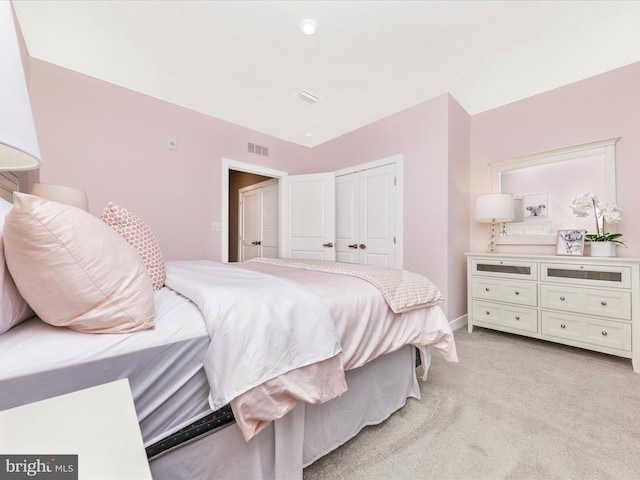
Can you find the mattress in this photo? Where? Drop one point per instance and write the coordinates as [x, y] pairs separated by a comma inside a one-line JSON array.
[[163, 365]]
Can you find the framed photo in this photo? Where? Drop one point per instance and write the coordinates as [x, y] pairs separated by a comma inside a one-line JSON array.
[[570, 242], [536, 206]]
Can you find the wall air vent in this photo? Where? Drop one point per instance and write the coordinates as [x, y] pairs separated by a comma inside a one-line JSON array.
[[307, 96], [258, 149]]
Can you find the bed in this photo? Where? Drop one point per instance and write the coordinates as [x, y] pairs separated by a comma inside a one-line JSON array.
[[252, 370]]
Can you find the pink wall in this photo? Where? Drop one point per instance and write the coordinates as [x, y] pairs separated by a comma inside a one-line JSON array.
[[599, 107], [435, 160], [112, 143]]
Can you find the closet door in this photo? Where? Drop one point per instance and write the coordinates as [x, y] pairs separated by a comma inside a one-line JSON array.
[[365, 217], [307, 206], [258, 226], [377, 244], [348, 218]]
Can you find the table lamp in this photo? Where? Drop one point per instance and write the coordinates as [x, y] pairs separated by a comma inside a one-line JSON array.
[[492, 208], [18, 141]]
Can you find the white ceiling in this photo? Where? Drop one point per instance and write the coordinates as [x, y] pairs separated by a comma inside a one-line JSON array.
[[244, 61]]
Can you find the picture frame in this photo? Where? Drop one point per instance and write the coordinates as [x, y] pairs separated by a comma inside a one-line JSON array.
[[535, 206], [570, 242]]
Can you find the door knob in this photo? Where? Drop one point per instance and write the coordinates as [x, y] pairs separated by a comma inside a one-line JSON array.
[[353, 245], [329, 245], [362, 246], [256, 242]]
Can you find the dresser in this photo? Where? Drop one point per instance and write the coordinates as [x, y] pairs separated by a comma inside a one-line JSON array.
[[586, 302]]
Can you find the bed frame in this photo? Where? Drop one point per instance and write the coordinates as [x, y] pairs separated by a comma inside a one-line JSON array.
[[305, 434], [207, 426]]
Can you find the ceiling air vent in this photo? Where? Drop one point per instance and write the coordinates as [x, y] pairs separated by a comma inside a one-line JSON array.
[[307, 96]]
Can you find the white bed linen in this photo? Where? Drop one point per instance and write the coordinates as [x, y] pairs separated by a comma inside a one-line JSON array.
[[367, 328], [164, 365], [260, 327], [366, 325]]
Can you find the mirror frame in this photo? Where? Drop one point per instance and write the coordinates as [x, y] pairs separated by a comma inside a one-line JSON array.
[[604, 147]]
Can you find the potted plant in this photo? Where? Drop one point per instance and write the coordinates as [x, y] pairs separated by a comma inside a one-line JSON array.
[[603, 243]]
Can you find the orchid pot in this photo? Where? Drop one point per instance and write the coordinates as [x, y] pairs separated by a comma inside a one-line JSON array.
[[602, 249]]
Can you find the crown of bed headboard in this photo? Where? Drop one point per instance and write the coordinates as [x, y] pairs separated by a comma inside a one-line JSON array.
[[9, 183]]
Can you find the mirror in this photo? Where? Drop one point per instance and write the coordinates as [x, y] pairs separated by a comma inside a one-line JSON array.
[[545, 183]]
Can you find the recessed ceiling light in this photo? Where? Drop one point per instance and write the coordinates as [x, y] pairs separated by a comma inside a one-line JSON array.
[[308, 26]]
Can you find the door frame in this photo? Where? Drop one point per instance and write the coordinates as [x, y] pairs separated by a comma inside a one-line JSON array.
[[398, 161], [228, 164]]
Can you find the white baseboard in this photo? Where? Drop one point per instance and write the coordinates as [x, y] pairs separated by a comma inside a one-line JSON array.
[[459, 322]]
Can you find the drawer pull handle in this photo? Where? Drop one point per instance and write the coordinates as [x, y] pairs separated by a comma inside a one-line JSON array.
[[604, 333], [517, 292], [562, 298], [486, 289], [562, 325], [517, 317], [603, 303], [487, 312]]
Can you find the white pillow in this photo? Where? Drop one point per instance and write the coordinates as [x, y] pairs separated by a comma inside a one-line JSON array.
[[74, 270], [14, 308]]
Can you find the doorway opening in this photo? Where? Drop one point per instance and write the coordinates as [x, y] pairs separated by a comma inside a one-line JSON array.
[[233, 168], [237, 181]]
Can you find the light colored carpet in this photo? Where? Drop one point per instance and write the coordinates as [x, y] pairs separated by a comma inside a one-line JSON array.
[[513, 408]]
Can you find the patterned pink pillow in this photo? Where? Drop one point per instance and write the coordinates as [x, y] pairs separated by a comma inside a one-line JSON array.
[[140, 237]]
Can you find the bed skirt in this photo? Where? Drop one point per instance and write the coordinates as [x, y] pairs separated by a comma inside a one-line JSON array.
[[305, 434]]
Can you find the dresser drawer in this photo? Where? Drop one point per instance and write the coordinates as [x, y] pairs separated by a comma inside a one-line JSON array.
[[595, 331], [517, 270], [611, 276], [511, 291], [587, 301], [514, 317]]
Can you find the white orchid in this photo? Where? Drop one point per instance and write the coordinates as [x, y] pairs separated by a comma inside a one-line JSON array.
[[611, 213], [582, 204], [607, 213]]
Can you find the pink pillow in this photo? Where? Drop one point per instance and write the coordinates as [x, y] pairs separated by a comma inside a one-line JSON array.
[[140, 237], [75, 271], [13, 308]]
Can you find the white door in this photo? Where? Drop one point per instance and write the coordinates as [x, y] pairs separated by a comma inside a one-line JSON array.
[[249, 225], [307, 216], [347, 218], [269, 207], [366, 217], [258, 220]]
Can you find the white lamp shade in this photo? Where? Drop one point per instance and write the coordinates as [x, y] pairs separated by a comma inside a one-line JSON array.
[[18, 141], [61, 194], [498, 207]]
